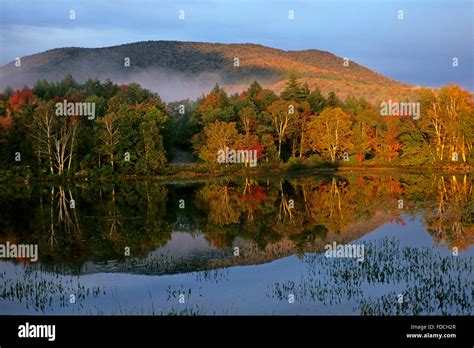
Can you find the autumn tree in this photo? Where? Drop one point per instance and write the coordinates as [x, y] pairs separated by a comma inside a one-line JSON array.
[[216, 106], [218, 136], [248, 118], [19, 109], [330, 133], [152, 153], [62, 149], [109, 136], [281, 113], [42, 131], [448, 119], [388, 140], [304, 122], [458, 107], [363, 132]]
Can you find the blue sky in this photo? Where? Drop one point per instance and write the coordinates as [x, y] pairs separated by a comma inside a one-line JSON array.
[[418, 49]]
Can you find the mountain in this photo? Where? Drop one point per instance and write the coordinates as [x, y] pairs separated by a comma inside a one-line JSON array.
[[187, 69]]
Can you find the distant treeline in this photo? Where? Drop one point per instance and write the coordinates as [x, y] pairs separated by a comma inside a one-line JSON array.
[[132, 131]]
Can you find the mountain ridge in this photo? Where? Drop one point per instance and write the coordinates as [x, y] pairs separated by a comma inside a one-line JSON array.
[[179, 63]]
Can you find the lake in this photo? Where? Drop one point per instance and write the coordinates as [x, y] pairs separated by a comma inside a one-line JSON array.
[[333, 244]]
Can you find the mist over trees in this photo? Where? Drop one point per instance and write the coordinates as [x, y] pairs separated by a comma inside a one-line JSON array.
[[135, 133]]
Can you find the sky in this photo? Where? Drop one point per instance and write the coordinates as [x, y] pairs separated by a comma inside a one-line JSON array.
[[418, 49]]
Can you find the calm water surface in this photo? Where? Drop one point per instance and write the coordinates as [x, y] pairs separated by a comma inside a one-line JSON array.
[[249, 246]]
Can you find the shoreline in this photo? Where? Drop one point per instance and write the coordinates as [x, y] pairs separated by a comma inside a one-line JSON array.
[[189, 174]]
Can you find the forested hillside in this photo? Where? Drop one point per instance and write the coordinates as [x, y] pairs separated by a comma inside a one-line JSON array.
[[164, 65]]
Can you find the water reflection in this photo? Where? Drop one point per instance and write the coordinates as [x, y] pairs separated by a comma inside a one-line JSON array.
[[452, 221], [194, 229]]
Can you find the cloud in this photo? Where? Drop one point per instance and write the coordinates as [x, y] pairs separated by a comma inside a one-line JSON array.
[[367, 31]]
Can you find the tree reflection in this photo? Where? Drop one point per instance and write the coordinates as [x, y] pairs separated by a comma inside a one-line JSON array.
[[266, 217], [451, 219]]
